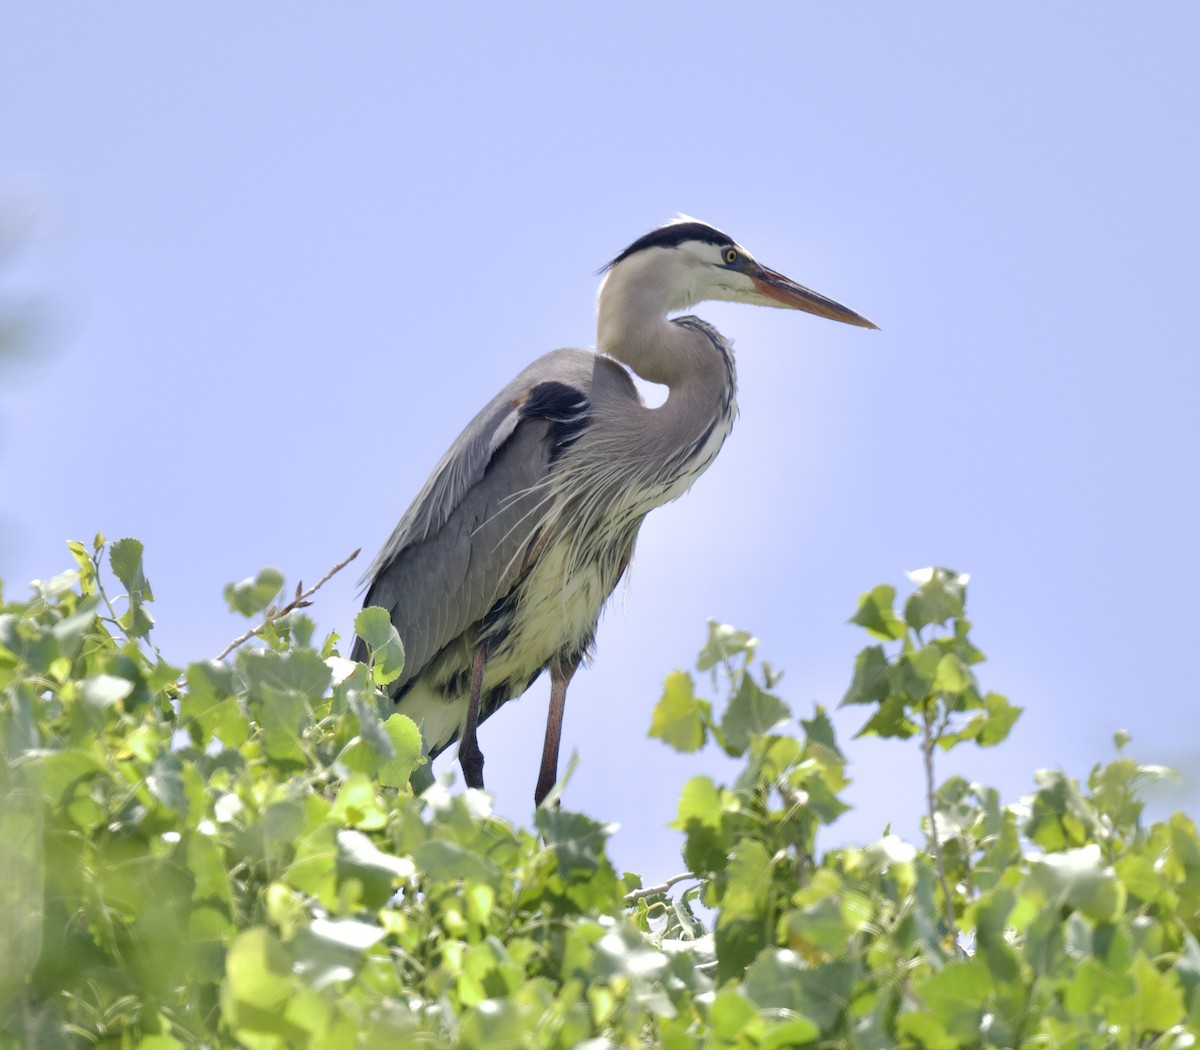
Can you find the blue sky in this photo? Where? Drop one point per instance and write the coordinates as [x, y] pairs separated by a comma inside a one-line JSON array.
[[287, 251]]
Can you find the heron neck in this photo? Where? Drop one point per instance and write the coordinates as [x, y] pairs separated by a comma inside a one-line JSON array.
[[692, 360], [632, 323]]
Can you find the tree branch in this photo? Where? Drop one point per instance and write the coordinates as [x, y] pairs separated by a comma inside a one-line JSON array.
[[299, 602], [653, 891]]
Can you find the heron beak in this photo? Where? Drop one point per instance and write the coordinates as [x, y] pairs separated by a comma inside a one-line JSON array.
[[784, 292]]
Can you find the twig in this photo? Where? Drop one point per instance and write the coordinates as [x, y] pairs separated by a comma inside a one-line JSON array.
[[928, 742], [653, 891], [299, 602]]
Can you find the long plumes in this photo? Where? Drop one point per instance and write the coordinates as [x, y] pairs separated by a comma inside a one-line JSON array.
[[595, 498]]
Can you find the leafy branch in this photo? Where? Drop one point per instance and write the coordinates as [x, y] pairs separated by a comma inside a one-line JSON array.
[[929, 739], [247, 594], [239, 857], [659, 889]]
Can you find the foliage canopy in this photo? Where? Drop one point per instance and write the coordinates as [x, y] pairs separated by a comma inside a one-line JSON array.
[[233, 854]]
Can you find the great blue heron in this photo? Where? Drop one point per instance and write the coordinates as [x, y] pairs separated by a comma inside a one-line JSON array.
[[502, 564]]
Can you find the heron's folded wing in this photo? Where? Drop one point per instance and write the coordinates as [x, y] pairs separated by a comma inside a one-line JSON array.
[[460, 545]]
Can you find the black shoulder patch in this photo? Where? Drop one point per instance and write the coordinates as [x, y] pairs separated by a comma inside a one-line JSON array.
[[567, 409], [672, 236]]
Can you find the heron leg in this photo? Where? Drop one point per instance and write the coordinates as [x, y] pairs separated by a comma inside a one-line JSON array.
[[560, 678], [469, 755]]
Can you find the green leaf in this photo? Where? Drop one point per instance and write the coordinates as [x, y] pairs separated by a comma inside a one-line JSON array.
[[102, 690], [927, 1030], [257, 981], [724, 642], [1059, 815], [159, 1042], [281, 689], [1093, 985], [783, 986], [952, 675], [821, 926], [875, 613], [1155, 1005], [1187, 965], [912, 676], [789, 1034], [940, 597], [891, 720], [1044, 941], [255, 593], [577, 840], [442, 859], [870, 682], [751, 712], [679, 717], [700, 818], [957, 996], [357, 805], [210, 701], [1001, 717], [165, 782], [135, 621], [374, 626], [298, 672], [360, 858], [406, 751], [1079, 878], [746, 893], [330, 950], [494, 1024], [70, 630], [68, 770], [125, 558], [731, 1014], [87, 568], [819, 730]]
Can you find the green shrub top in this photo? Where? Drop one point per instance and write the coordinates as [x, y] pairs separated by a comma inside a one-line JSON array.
[[252, 853]]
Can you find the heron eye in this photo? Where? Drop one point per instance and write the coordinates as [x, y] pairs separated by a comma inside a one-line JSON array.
[[730, 256]]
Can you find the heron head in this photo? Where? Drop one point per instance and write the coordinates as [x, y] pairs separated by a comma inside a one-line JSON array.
[[687, 262]]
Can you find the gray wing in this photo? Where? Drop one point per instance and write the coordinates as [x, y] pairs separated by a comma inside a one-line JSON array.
[[460, 546]]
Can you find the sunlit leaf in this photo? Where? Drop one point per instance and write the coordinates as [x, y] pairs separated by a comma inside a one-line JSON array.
[[577, 840], [724, 642], [876, 614], [1079, 878], [357, 805], [939, 597], [1156, 1003], [257, 981], [819, 730], [751, 712], [700, 818], [374, 626], [1001, 717], [747, 883], [441, 859], [890, 720], [125, 558], [102, 690], [679, 717], [958, 996], [870, 682], [406, 751], [253, 594]]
